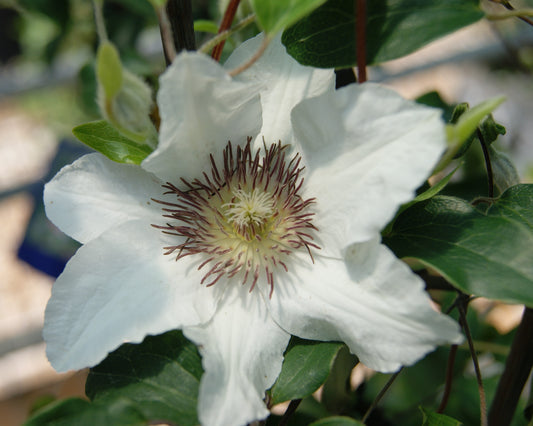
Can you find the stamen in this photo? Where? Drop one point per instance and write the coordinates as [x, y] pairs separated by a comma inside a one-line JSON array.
[[244, 219]]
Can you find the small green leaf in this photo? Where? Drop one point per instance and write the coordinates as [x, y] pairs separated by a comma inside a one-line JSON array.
[[104, 138], [460, 133], [435, 419], [486, 254], [109, 69], [305, 367], [469, 120], [161, 375], [326, 38], [337, 421], [275, 15]]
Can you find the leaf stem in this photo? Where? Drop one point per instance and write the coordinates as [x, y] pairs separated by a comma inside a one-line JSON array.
[[222, 36], [516, 372], [522, 14], [253, 59], [488, 164], [449, 379], [380, 395], [166, 35], [360, 18], [227, 19], [462, 306], [99, 20]]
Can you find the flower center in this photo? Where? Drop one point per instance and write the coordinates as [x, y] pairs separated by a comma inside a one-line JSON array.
[[245, 219]]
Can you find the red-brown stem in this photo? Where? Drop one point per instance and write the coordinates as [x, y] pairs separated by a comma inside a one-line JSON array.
[[449, 379], [225, 25], [361, 40]]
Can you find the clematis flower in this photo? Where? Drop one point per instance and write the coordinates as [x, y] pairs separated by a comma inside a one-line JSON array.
[[257, 217]]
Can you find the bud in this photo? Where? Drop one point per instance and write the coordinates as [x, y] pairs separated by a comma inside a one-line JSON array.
[[124, 99]]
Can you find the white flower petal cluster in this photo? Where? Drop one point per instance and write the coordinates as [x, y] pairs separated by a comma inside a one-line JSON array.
[[365, 151]]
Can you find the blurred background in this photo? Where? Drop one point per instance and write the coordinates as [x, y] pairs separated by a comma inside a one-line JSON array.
[[47, 86]]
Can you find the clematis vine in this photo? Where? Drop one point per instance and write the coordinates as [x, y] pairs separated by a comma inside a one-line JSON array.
[[257, 217]]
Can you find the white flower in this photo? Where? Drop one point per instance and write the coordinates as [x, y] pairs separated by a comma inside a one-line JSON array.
[[257, 248]]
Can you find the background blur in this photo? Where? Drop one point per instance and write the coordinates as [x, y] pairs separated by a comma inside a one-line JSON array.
[[47, 87]]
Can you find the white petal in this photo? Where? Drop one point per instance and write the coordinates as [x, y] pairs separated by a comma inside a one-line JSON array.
[[366, 150], [95, 194], [242, 352], [201, 110], [118, 288], [283, 81], [373, 303]]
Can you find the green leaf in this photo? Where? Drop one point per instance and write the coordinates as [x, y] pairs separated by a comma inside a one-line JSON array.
[[327, 37], [79, 412], [161, 375], [486, 254], [516, 204], [275, 15], [305, 367], [337, 421], [104, 138], [434, 419]]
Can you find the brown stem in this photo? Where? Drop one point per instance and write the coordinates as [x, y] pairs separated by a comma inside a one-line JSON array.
[[180, 17], [461, 306], [517, 369], [380, 395], [225, 25], [293, 405], [360, 18], [449, 379]]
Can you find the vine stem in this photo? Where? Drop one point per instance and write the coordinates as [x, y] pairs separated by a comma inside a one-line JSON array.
[[225, 25], [361, 40], [179, 14], [449, 379], [517, 369], [461, 306], [293, 405], [380, 395]]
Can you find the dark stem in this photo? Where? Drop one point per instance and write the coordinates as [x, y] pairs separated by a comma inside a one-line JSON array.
[[360, 18], [180, 16], [225, 25], [488, 164], [517, 369], [293, 405], [380, 395], [462, 306], [449, 379]]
